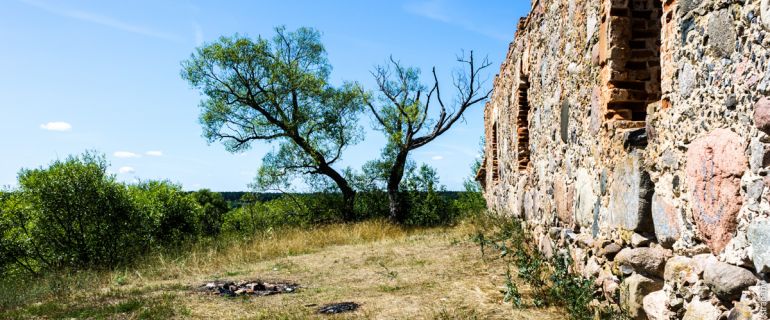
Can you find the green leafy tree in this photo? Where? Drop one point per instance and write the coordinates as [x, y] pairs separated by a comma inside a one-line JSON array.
[[213, 211], [402, 110], [278, 91]]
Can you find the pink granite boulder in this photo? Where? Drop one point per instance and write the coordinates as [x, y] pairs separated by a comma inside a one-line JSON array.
[[715, 164], [762, 115], [565, 202]]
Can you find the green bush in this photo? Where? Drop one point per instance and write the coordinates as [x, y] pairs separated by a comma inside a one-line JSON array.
[[245, 218], [371, 204], [288, 210], [426, 207], [72, 214], [553, 281], [213, 210], [172, 214], [7, 245], [472, 202], [371, 200]]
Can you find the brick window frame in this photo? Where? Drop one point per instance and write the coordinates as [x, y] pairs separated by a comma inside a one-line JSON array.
[[495, 154], [522, 125], [629, 56]]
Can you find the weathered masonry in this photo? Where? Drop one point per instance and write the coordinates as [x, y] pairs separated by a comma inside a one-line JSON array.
[[636, 134]]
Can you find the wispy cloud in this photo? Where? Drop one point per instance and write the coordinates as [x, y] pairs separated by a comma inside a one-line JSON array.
[[198, 34], [125, 154], [126, 170], [432, 9], [154, 153], [248, 173], [437, 10], [437, 158], [102, 20], [56, 126], [471, 153]]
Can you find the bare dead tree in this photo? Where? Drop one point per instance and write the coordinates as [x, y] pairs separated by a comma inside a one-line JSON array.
[[403, 111]]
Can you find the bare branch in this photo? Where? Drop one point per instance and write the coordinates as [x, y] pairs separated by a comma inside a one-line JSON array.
[[469, 96]]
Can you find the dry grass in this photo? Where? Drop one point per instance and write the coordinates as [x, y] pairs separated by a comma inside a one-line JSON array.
[[394, 273]]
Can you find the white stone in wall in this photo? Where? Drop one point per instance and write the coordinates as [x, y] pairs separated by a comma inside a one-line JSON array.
[[701, 310], [585, 187], [591, 24], [764, 9], [630, 195], [759, 237]]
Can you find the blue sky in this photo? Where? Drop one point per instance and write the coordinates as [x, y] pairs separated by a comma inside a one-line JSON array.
[[104, 75]]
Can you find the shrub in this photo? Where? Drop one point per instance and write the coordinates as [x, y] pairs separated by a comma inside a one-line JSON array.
[[371, 200], [288, 210], [72, 214], [213, 210], [553, 281], [172, 213], [426, 207], [371, 204], [8, 247], [248, 218], [472, 202]]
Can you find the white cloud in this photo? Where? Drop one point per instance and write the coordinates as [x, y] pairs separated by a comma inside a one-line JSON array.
[[154, 153], [437, 158], [100, 20], [126, 170], [125, 154], [56, 126]]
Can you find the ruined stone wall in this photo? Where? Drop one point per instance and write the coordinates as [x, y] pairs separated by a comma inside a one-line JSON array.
[[633, 134]]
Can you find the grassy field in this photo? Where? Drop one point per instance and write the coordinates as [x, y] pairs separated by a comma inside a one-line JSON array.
[[394, 273]]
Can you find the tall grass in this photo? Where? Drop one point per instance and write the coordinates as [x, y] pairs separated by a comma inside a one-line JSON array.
[[226, 252]]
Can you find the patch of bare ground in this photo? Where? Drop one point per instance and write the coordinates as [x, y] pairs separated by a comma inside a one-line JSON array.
[[391, 273]]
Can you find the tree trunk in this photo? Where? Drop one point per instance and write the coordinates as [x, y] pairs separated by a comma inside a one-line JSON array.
[[348, 204], [348, 194], [395, 201]]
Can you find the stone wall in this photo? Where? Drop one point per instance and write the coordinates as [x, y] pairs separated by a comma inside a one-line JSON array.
[[634, 135]]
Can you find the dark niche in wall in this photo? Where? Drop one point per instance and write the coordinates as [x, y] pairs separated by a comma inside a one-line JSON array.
[[565, 121]]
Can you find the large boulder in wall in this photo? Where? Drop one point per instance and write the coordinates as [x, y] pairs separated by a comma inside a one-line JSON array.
[[631, 193], [715, 165]]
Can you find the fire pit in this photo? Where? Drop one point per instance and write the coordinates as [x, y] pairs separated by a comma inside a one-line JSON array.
[[338, 308], [247, 288]]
